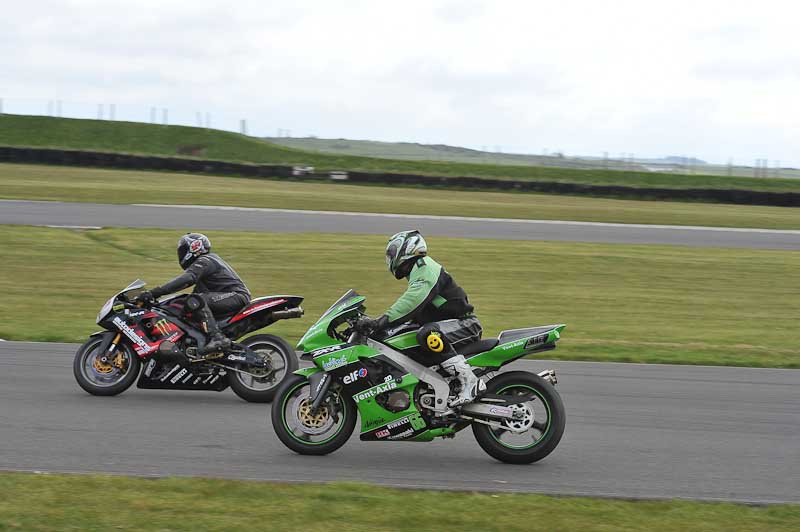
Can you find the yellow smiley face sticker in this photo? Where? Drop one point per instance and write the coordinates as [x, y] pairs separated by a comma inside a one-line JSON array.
[[435, 342]]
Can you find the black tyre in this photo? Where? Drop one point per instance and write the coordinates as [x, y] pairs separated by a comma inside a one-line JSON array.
[[304, 433], [542, 424], [105, 377], [282, 362]]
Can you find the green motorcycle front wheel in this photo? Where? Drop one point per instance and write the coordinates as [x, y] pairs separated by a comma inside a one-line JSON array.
[[537, 430], [308, 432]]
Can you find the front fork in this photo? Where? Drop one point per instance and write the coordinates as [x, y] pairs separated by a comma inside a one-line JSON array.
[[108, 346]]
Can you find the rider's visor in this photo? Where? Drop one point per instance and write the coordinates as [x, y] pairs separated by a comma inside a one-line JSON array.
[[391, 253]]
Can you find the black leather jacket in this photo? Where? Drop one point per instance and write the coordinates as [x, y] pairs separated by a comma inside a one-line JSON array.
[[208, 273]]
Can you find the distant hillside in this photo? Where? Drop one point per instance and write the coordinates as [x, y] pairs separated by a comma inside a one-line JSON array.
[[195, 142], [442, 152]]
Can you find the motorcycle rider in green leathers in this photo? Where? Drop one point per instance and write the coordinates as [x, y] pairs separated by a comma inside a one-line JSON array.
[[437, 303]]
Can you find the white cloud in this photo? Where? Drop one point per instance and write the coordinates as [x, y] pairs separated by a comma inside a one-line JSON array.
[[712, 79]]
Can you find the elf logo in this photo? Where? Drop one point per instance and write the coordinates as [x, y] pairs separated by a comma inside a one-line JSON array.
[[354, 376]]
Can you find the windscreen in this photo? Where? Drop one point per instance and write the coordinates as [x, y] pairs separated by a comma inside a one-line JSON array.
[[350, 294]]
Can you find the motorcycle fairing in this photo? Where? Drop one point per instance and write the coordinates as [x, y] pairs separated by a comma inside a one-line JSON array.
[[271, 303], [159, 375], [517, 343]]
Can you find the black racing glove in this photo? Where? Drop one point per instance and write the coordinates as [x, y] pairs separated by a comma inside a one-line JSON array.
[[146, 298], [369, 325]]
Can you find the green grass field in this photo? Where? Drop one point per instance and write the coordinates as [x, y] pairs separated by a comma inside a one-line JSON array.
[[122, 186], [659, 304], [40, 503], [130, 137]]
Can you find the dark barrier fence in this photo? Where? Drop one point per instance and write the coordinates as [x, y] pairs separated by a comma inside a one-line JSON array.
[[176, 164]]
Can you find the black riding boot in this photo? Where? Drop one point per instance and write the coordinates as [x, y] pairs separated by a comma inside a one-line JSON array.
[[216, 340]]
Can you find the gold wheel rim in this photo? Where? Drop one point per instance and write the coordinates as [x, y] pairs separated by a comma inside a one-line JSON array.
[[312, 421]]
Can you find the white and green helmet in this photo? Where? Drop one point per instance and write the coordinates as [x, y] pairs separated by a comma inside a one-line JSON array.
[[403, 246]]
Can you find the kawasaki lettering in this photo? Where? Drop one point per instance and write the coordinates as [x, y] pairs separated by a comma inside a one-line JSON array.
[[402, 435]]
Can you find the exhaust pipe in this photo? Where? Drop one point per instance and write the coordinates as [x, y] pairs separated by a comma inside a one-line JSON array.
[[288, 313], [550, 376]]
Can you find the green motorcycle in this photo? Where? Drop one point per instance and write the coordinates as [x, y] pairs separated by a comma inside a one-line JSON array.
[[400, 392]]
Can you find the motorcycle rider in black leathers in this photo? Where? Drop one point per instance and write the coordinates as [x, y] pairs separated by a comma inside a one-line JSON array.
[[222, 290]]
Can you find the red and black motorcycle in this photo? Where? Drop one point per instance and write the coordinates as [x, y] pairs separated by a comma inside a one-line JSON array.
[[163, 338]]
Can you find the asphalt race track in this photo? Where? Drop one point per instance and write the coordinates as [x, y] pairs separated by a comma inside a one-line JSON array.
[[278, 220], [714, 433]]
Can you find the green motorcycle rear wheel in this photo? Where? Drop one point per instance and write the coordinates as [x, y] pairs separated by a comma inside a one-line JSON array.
[[540, 427]]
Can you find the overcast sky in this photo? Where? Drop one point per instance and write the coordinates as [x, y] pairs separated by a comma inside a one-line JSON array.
[[711, 79]]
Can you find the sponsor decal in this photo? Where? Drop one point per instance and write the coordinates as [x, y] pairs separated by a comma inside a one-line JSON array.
[[196, 246], [237, 358], [375, 390], [143, 347], [333, 363], [377, 422], [262, 306], [162, 326], [170, 372], [536, 340], [402, 435], [321, 383], [178, 376], [513, 345], [188, 378], [500, 411], [326, 350], [150, 366], [399, 423], [198, 379], [354, 376], [388, 378], [382, 433], [135, 313], [415, 420]]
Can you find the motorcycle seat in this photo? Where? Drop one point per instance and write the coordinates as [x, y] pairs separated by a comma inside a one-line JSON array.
[[481, 346]]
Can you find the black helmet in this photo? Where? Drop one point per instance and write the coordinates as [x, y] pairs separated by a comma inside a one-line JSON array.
[[191, 246]]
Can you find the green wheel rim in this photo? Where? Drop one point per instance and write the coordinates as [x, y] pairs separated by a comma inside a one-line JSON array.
[[291, 432], [544, 433]]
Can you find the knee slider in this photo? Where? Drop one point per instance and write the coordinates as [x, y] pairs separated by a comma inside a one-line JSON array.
[[431, 339]]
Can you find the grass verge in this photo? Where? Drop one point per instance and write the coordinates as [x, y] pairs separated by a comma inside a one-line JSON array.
[[120, 186], [100, 503], [151, 139], [627, 303]]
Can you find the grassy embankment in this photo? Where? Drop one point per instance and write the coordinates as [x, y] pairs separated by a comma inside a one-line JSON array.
[[659, 304], [150, 139], [66, 502], [118, 186]]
